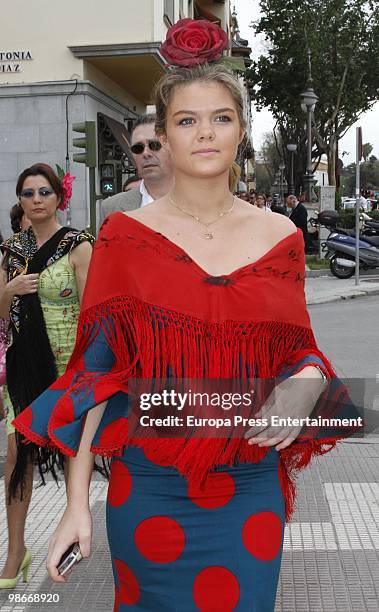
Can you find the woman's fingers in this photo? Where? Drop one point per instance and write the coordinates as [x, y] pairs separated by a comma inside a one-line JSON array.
[[85, 545], [56, 550], [272, 437], [286, 442]]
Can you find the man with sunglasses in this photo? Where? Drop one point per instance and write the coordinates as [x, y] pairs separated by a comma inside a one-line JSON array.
[[153, 163]]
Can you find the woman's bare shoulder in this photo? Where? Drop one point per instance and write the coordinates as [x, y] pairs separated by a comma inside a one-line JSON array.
[[273, 225], [281, 226]]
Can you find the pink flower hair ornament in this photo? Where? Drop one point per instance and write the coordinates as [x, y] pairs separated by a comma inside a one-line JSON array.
[[66, 181]]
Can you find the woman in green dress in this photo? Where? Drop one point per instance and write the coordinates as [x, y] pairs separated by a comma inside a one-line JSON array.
[[44, 271]]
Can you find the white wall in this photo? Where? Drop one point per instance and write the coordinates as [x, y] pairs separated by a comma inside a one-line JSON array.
[[46, 28]]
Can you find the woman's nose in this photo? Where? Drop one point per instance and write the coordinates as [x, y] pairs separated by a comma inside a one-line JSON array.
[[206, 132]]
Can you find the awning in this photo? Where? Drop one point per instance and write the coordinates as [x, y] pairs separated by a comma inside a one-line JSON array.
[[121, 134], [134, 67]]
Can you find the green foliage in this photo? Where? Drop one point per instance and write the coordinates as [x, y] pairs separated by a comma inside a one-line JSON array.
[[272, 153], [343, 36], [59, 170], [369, 173], [367, 150], [347, 218], [315, 263], [262, 179]]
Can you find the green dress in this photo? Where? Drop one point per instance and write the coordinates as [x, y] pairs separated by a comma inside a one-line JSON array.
[[59, 298]]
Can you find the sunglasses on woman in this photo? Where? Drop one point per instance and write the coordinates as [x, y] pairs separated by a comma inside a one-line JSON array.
[[44, 192], [139, 147]]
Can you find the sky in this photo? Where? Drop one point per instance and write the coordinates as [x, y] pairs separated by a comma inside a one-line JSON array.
[[248, 11]]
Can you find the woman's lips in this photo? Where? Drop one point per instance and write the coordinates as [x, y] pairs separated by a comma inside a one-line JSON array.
[[205, 152]]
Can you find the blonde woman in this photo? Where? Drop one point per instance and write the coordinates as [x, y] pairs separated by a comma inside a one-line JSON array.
[[194, 522]]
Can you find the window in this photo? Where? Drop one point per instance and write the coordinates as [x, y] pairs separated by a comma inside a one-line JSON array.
[[169, 11]]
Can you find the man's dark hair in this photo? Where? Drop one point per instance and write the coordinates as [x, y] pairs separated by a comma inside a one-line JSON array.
[[146, 119], [131, 179]]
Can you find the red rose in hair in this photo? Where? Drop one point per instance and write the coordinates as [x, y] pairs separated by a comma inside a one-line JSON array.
[[192, 41]]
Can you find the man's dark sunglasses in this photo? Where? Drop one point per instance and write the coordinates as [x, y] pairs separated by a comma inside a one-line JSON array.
[[139, 147]]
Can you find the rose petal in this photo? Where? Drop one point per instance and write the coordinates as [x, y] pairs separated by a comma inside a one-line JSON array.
[[191, 42]]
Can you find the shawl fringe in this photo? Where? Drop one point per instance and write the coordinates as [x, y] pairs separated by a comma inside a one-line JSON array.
[[149, 341]]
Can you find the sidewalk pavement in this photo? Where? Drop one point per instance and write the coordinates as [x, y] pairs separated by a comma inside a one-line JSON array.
[[322, 289]]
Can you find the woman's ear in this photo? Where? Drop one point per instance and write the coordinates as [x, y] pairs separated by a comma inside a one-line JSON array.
[[164, 141], [242, 135]]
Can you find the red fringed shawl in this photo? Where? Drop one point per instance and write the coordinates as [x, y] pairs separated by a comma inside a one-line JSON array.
[[159, 309]]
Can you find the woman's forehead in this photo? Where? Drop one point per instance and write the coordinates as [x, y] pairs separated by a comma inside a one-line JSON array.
[[200, 96], [36, 181]]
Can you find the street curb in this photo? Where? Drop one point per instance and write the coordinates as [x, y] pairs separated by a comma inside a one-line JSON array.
[[318, 273], [327, 272], [335, 298]]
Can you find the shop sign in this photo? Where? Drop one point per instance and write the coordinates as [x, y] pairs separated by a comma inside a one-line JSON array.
[[11, 61]]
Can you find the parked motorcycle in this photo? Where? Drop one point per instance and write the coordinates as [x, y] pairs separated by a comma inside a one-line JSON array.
[[340, 246]]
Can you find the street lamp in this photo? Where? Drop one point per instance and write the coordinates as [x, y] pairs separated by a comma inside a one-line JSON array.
[[291, 148], [282, 167], [308, 105]]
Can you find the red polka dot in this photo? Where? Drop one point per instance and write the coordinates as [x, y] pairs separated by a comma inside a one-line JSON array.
[[153, 455], [216, 589], [129, 590], [217, 491], [64, 412], [114, 433], [160, 539], [120, 484], [262, 535]]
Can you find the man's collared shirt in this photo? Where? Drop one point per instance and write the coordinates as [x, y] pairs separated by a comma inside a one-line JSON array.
[[146, 197]]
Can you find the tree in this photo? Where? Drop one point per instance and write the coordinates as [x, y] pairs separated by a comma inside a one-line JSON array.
[[369, 172], [367, 150], [263, 179], [271, 154], [343, 36]]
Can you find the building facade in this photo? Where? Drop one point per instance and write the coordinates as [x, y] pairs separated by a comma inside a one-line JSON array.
[[75, 62]]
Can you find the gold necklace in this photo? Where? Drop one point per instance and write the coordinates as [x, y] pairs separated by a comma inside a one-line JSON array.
[[207, 234]]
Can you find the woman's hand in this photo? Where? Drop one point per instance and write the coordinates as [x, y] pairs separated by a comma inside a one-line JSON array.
[[75, 526], [23, 284], [293, 398]]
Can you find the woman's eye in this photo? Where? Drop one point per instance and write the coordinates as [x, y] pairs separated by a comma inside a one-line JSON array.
[[223, 118], [186, 121]]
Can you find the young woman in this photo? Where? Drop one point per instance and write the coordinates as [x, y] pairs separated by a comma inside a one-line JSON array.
[[44, 272], [189, 289], [261, 203]]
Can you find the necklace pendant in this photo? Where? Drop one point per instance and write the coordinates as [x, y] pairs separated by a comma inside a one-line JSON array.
[[208, 235]]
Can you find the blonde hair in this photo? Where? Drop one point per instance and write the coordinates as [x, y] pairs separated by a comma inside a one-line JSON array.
[[203, 73]]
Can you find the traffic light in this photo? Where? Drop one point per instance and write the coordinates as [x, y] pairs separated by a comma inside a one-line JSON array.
[[86, 142], [108, 178]]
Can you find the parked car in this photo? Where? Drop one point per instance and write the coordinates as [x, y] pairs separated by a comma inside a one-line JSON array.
[[349, 204]]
